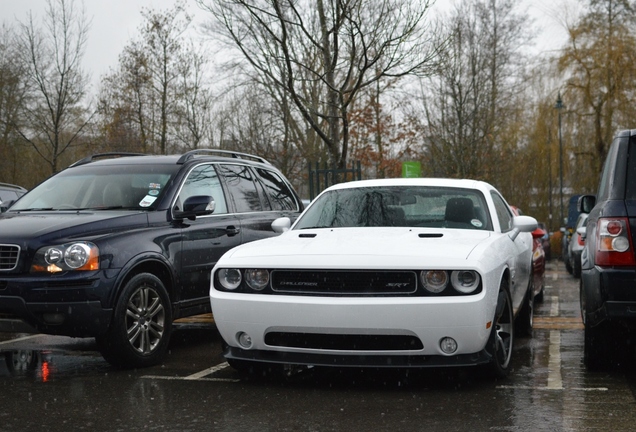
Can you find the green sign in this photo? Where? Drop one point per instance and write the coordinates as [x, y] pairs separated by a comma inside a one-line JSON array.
[[411, 169]]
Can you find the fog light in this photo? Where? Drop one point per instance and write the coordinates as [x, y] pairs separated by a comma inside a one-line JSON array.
[[244, 340], [448, 345]]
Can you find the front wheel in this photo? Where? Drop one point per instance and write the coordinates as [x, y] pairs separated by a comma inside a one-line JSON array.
[[501, 339], [142, 324]]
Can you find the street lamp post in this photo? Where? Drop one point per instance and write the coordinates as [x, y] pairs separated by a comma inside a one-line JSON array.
[[559, 106]]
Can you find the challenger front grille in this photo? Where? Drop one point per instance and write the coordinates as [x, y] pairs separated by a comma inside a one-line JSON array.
[[9, 255], [344, 282]]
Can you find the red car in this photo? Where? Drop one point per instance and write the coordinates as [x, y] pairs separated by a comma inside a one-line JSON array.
[[538, 259]]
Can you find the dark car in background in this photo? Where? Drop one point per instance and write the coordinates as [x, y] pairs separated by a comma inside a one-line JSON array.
[[608, 259], [9, 193], [117, 246]]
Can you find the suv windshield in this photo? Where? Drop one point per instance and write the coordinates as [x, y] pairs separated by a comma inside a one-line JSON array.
[[135, 187]]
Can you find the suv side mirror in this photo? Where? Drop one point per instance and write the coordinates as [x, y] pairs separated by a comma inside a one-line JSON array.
[[197, 205], [4, 205], [586, 203]]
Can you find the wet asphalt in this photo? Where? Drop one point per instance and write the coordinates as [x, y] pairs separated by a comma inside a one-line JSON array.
[[63, 384]]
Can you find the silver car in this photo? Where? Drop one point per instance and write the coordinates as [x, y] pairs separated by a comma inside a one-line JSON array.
[[575, 247]]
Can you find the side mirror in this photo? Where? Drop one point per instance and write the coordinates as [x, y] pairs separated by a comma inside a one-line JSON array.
[[197, 205], [523, 224], [281, 225], [4, 205], [586, 203]]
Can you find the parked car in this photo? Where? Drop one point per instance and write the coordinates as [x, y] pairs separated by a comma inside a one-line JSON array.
[[382, 273], [538, 258], [9, 193], [116, 247], [575, 246], [608, 260]]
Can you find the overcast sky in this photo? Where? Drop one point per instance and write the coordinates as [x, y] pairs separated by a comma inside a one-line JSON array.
[[115, 22]]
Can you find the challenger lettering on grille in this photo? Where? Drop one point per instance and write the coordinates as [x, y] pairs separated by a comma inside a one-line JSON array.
[[342, 282]]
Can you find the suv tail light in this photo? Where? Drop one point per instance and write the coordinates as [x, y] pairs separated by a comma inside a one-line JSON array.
[[614, 243]]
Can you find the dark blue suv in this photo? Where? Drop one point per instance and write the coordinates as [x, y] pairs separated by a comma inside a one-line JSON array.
[[608, 260], [117, 246]]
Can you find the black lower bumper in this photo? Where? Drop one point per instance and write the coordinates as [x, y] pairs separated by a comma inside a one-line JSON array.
[[78, 319], [377, 361]]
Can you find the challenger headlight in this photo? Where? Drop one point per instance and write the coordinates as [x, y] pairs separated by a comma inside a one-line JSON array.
[[80, 256], [230, 279], [434, 281], [465, 281], [257, 279]]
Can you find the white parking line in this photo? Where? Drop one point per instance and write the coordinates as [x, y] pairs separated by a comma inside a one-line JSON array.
[[554, 306], [199, 376], [555, 381], [208, 371]]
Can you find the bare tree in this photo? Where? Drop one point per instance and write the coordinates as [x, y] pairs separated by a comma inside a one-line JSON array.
[[471, 103], [13, 90], [322, 53], [158, 93], [55, 118], [598, 64]]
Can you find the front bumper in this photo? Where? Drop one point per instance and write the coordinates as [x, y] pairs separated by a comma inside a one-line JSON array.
[[271, 321], [71, 306]]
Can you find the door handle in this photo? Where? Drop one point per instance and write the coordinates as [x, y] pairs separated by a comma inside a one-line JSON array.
[[232, 231]]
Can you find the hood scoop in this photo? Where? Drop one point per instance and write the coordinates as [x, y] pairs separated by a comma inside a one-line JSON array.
[[430, 235], [307, 235]]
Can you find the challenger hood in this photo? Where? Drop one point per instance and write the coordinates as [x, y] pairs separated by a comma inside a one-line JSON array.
[[361, 248]]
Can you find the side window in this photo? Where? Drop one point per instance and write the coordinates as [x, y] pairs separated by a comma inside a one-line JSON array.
[[504, 213], [203, 180], [608, 171], [279, 194], [630, 187], [242, 188]]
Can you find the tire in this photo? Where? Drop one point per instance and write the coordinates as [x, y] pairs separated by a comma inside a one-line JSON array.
[[597, 350], [539, 297], [568, 264], [576, 267], [525, 319], [501, 339], [142, 323]]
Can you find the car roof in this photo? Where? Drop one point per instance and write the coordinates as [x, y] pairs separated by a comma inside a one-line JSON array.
[[434, 182]]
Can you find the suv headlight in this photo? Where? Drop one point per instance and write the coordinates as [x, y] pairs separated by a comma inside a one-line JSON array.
[[67, 257]]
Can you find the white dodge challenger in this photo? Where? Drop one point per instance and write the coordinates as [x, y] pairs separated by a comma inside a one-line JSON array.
[[382, 273]]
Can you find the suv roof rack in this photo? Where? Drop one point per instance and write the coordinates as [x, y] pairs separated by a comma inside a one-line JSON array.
[[228, 153], [12, 186], [91, 158]]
